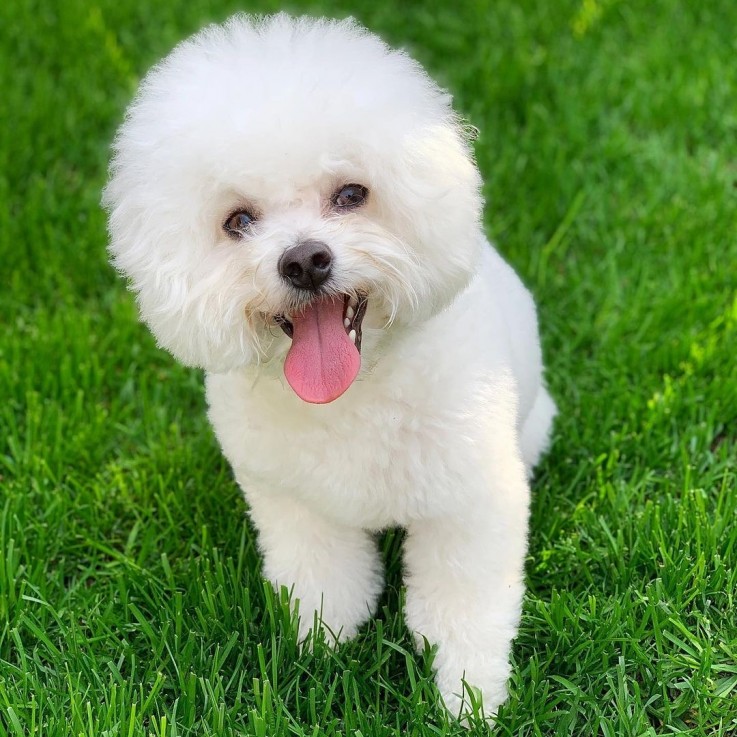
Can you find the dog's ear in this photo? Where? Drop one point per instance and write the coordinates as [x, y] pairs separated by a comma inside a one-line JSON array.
[[435, 190], [188, 291]]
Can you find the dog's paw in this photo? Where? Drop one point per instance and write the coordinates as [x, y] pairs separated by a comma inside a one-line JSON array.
[[314, 624], [333, 573], [471, 706], [332, 607], [473, 692]]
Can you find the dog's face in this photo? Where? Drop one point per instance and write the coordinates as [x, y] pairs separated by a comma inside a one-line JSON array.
[[280, 185]]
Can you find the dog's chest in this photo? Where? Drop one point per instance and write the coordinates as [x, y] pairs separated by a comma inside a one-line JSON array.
[[370, 464]]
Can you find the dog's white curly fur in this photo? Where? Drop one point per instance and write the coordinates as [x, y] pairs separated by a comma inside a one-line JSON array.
[[449, 412]]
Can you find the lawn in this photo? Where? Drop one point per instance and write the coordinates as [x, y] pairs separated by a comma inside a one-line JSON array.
[[131, 600]]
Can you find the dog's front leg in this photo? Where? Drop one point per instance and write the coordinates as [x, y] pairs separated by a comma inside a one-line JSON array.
[[465, 582], [334, 571]]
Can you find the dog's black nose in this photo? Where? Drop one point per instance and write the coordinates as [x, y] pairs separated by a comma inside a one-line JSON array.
[[306, 265]]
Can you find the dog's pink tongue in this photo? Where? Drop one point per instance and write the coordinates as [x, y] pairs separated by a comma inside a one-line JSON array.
[[322, 362]]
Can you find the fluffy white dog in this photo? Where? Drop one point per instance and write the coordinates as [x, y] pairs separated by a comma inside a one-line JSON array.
[[298, 211]]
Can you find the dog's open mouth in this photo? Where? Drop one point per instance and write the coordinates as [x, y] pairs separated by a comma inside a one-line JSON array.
[[325, 357]]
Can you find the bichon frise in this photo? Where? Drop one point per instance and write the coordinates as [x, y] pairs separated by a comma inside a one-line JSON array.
[[298, 211]]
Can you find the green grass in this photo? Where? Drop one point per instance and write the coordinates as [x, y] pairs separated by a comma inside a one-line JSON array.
[[131, 601]]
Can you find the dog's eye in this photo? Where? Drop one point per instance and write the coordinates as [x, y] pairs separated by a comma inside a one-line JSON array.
[[350, 195], [238, 222]]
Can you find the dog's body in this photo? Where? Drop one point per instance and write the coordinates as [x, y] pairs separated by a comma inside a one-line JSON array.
[[448, 414]]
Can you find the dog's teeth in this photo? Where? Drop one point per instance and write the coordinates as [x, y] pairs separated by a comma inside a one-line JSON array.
[[347, 322], [352, 304], [352, 336], [349, 312]]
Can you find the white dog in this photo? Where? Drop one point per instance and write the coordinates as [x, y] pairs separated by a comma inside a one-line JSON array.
[[298, 211]]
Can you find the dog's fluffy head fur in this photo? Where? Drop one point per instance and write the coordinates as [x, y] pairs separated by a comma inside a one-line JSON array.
[[274, 115]]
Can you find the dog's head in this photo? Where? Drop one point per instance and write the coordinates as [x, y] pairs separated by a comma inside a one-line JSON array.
[[294, 176]]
